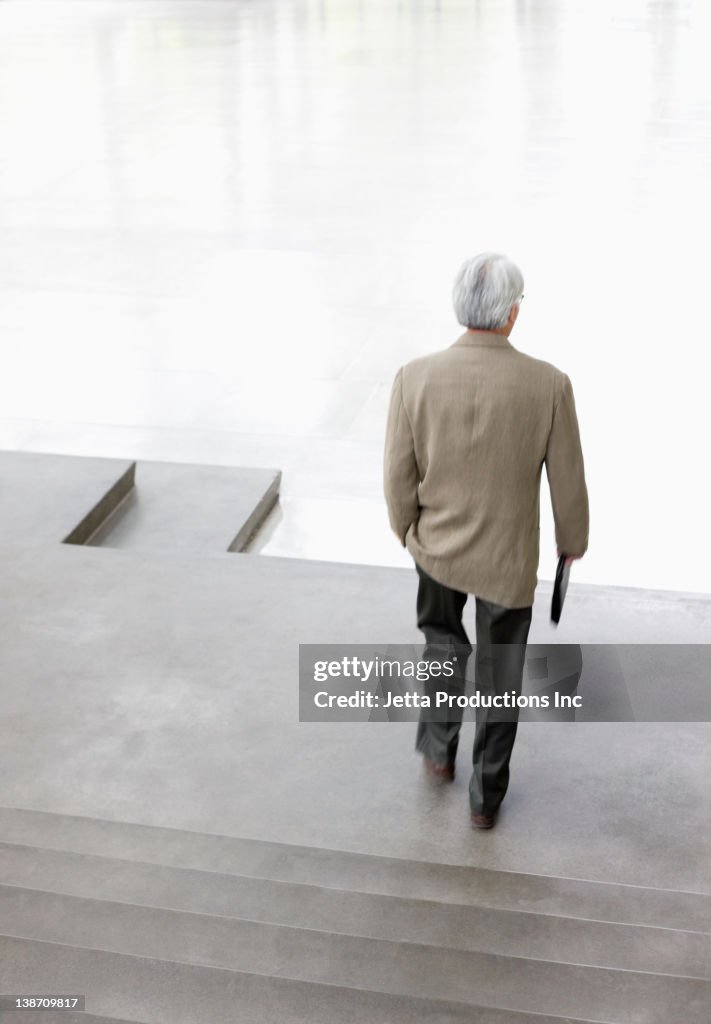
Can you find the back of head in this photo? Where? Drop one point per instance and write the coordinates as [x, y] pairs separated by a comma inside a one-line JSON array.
[[485, 289]]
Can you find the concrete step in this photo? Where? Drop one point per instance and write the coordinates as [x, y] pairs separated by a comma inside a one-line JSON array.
[[394, 967], [356, 872], [349, 927], [178, 506], [395, 918], [156, 991]]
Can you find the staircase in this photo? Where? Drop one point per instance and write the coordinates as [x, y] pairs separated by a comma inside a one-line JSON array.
[[173, 927]]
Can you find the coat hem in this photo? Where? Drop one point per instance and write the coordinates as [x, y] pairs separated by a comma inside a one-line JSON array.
[[439, 571]]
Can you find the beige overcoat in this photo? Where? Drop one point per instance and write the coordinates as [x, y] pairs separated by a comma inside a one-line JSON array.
[[469, 430]]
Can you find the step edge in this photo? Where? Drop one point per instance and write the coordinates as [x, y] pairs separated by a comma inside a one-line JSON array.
[[424, 903], [257, 517], [364, 938], [357, 853], [103, 508]]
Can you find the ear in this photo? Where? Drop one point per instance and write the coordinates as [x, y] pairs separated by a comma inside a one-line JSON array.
[[512, 315]]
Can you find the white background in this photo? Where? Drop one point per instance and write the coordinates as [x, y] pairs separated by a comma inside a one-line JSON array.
[[223, 226]]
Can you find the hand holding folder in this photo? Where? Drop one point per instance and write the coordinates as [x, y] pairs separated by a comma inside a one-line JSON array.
[[560, 586]]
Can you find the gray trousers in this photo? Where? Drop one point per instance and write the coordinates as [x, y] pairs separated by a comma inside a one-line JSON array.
[[497, 670]]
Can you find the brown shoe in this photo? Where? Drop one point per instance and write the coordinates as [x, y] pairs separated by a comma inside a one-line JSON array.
[[483, 820], [439, 773]]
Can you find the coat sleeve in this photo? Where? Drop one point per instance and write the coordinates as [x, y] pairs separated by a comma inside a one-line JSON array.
[[400, 464], [566, 475]]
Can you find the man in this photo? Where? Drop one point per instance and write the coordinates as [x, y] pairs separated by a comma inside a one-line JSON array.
[[469, 430]]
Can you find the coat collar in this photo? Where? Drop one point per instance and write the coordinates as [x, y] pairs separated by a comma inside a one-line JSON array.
[[483, 338]]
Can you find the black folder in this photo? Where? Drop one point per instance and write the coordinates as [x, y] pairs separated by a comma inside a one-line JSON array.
[[559, 588]]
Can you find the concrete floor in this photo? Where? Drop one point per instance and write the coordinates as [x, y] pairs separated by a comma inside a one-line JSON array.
[[163, 690], [226, 224]]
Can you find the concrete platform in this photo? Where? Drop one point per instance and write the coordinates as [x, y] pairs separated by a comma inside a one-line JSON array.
[[149, 506], [176, 506], [163, 691]]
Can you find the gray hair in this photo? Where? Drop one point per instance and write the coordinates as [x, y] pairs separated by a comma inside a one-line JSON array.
[[485, 289]]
